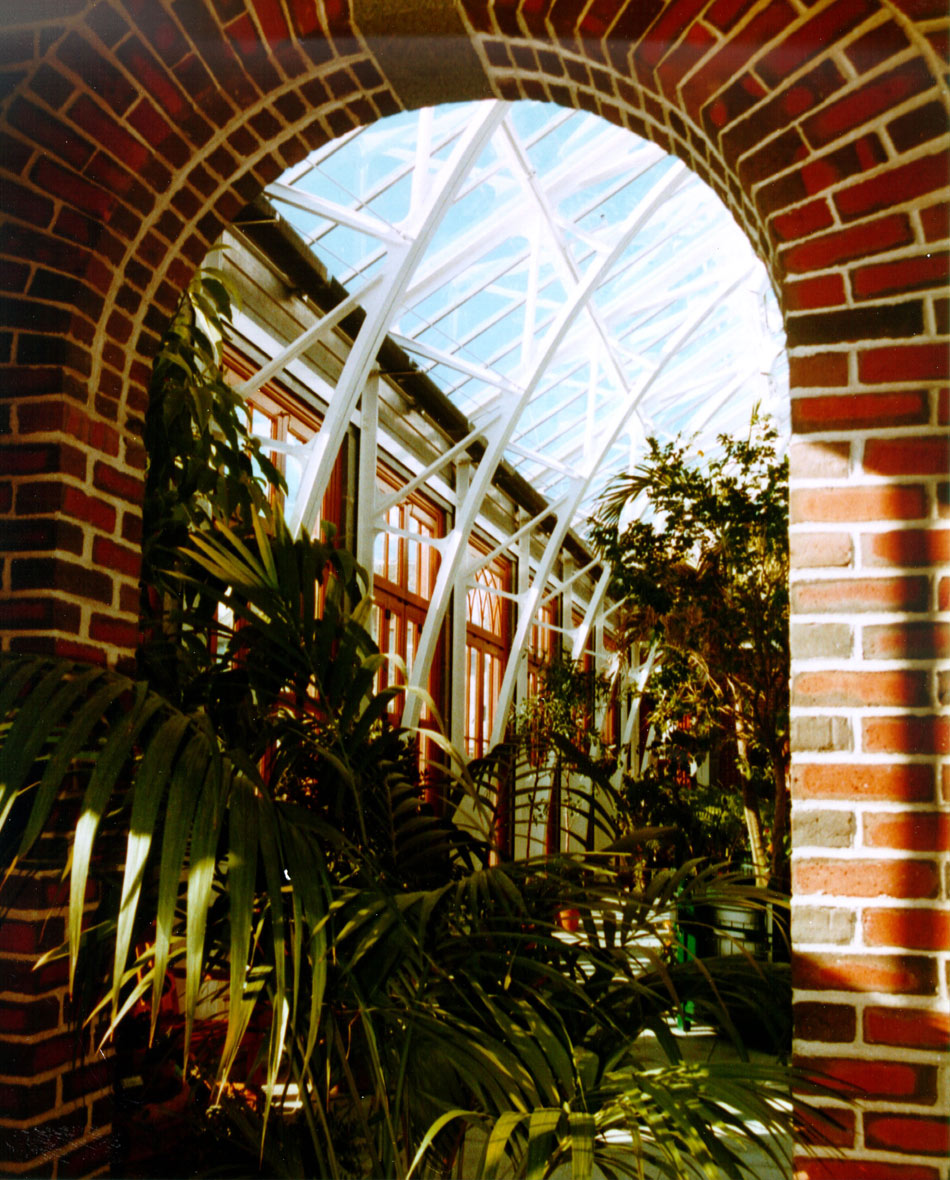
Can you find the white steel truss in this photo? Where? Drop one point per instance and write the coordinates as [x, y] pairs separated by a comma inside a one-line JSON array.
[[568, 287]]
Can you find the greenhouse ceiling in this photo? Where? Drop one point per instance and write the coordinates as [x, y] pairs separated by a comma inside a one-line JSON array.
[[570, 287]]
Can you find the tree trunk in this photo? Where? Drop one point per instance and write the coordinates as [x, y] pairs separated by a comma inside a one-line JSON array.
[[780, 875], [753, 820]]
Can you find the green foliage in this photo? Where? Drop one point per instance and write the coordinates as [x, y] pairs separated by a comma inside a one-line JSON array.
[[702, 572], [556, 759], [204, 466], [402, 1010], [257, 830], [203, 462]]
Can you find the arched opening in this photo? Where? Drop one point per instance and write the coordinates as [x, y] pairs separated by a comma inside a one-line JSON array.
[[824, 130], [572, 292]]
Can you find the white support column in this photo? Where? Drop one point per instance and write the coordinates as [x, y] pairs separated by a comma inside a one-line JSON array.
[[402, 260], [591, 614], [600, 662], [529, 605], [366, 523], [297, 347], [633, 717], [567, 597], [458, 683], [519, 660], [499, 436]]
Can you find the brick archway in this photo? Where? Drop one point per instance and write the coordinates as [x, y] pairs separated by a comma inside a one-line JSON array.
[[131, 131]]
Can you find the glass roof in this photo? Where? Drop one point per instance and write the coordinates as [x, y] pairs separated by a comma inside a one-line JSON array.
[[549, 271]]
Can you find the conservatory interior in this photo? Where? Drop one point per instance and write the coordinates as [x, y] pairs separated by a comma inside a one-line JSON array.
[[438, 340], [542, 292], [400, 769]]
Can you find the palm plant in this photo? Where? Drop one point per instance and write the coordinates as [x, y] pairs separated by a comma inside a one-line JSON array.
[[392, 999], [277, 842]]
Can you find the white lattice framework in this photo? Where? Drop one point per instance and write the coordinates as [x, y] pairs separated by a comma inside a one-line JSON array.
[[568, 286]]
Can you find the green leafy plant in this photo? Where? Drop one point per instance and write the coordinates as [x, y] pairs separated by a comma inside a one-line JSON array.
[[698, 545], [558, 764], [204, 466], [390, 1000]]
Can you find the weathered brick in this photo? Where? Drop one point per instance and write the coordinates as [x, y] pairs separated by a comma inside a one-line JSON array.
[[810, 38], [856, 411], [843, 116], [907, 735], [819, 370], [898, 275], [826, 290], [827, 1168], [913, 929], [34, 573], [915, 831], [27, 1059], [906, 547], [802, 222], [43, 129], [906, 641], [861, 689], [874, 47], [718, 70], [879, 1079], [924, 455], [867, 878], [811, 641], [116, 632], [49, 613], [122, 558], [857, 595], [897, 321], [73, 189], [927, 175], [913, 1028], [848, 244], [27, 1102], [117, 483], [821, 733], [897, 974], [809, 550], [875, 502], [911, 1133], [908, 782], [819, 460], [30, 534], [825, 828], [908, 362], [827, 1127], [824, 1022], [935, 220]]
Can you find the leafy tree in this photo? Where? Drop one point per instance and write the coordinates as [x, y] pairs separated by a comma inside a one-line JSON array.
[[699, 550]]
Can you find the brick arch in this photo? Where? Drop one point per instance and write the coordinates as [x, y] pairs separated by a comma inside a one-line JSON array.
[[131, 131]]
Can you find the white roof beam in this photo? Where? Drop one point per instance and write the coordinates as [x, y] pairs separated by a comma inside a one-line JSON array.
[[483, 475], [379, 311], [364, 222]]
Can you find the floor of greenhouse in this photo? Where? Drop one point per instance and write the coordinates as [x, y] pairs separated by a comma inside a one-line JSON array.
[[702, 1043], [698, 1045]]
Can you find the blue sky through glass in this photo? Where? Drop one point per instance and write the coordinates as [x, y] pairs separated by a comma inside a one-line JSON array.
[[568, 229]]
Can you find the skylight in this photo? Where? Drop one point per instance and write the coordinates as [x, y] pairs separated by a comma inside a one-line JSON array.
[[550, 270]]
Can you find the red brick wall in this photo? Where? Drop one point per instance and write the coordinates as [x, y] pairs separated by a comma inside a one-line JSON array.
[[131, 131]]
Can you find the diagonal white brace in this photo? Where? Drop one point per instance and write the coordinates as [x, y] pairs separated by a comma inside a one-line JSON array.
[[402, 260]]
